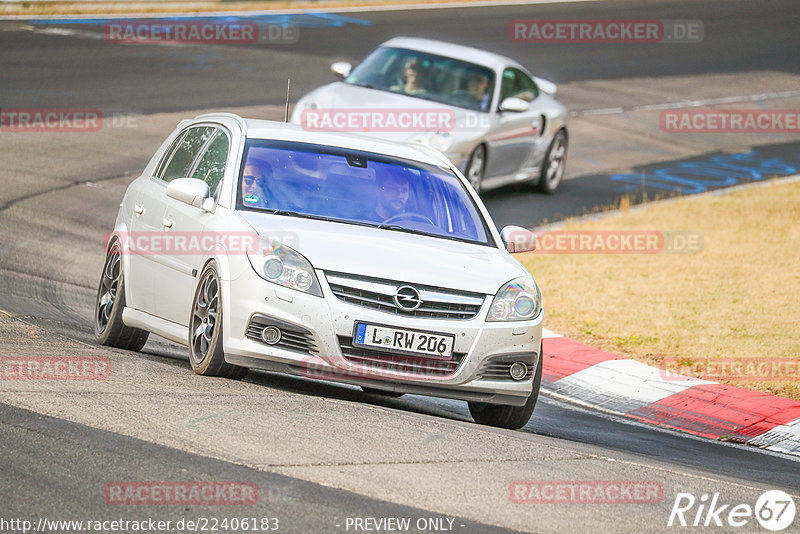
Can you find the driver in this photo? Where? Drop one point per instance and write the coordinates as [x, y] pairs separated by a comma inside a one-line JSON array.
[[391, 195], [477, 89]]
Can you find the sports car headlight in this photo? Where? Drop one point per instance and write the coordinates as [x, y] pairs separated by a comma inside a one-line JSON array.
[[518, 300], [441, 141], [277, 263]]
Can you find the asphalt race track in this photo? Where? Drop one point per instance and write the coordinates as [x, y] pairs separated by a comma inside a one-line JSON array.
[[321, 453]]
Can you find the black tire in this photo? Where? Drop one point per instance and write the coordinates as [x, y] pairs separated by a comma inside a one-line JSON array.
[[206, 354], [511, 417], [373, 391], [554, 163], [109, 330], [476, 167]]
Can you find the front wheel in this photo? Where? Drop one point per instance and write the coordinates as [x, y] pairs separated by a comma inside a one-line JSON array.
[[109, 329], [511, 417], [205, 334], [476, 167], [554, 162]]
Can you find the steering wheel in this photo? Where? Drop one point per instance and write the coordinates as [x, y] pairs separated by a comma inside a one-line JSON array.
[[409, 216]]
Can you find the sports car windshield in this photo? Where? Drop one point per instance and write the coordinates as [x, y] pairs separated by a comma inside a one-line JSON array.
[[320, 182], [437, 78]]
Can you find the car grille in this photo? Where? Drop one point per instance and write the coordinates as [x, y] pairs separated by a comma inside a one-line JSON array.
[[293, 337], [378, 294], [386, 361]]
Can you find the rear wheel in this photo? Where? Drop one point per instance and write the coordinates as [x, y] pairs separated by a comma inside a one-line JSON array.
[[511, 417], [206, 354], [109, 329], [554, 163]]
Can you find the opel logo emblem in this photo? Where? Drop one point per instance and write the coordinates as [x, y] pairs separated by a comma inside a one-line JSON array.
[[407, 298]]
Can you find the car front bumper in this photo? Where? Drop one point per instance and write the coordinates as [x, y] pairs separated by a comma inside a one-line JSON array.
[[318, 329]]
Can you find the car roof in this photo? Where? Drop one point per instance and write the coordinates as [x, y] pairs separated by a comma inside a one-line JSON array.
[[455, 51], [266, 129]]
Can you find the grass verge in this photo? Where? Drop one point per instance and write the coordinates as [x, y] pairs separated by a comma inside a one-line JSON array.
[[729, 312]]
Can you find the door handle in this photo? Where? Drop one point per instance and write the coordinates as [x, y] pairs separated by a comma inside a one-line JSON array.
[[138, 209], [167, 222]]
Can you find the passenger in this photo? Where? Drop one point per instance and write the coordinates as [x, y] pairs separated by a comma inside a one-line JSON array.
[[255, 184], [414, 77]]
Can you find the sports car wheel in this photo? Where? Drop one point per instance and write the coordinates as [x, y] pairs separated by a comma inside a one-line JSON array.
[[205, 334], [109, 329], [554, 163], [476, 167], [511, 417]]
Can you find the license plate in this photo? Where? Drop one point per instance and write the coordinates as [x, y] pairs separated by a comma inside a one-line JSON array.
[[403, 340]]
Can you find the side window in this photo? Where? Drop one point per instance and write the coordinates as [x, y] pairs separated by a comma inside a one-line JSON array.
[[518, 84], [211, 166], [180, 162], [168, 154]]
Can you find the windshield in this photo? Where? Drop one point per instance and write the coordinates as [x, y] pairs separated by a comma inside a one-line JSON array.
[[437, 78], [314, 181]]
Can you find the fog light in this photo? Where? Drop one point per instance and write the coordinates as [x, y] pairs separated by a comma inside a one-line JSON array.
[[271, 335], [518, 370]]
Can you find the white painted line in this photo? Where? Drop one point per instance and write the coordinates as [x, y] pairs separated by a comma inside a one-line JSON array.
[[622, 386], [297, 11], [688, 103]]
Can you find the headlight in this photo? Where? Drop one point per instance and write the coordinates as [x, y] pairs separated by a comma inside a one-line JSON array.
[[277, 263], [518, 300], [441, 141]]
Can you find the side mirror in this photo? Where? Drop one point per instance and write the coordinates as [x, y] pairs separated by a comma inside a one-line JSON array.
[[512, 103], [518, 239], [341, 69], [191, 191]]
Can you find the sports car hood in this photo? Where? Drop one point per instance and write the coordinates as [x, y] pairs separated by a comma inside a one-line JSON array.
[[344, 96], [392, 255]]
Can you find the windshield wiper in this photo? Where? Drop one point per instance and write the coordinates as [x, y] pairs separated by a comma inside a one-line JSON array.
[[367, 85], [397, 228]]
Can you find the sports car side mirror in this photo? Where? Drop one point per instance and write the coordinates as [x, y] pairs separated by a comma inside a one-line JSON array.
[[341, 69], [518, 239], [191, 191], [512, 103]]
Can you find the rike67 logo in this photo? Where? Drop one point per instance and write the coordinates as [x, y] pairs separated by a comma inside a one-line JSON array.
[[774, 510]]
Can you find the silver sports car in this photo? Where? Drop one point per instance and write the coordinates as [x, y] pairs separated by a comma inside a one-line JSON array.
[[495, 121]]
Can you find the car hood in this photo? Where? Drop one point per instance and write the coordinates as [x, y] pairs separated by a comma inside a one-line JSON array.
[[390, 254], [341, 95]]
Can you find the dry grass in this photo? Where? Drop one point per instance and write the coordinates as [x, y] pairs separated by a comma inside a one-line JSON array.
[[56, 7], [736, 299]]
